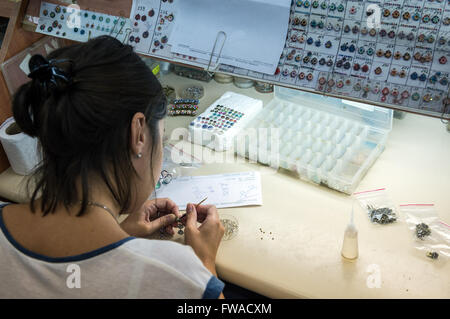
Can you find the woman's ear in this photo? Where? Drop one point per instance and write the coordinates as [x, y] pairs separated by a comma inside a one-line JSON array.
[[137, 134]]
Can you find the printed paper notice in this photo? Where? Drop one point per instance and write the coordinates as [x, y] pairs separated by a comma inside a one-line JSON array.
[[223, 190]]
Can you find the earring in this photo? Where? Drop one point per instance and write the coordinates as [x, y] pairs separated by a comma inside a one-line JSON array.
[[139, 155]]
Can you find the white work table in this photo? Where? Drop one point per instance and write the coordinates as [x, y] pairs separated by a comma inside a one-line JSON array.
[[307, 222]]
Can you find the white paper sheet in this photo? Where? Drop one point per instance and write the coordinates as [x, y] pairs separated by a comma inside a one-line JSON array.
[[255, 31], [223, 190]]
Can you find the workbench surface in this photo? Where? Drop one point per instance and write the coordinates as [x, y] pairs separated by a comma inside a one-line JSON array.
[[307, 222]]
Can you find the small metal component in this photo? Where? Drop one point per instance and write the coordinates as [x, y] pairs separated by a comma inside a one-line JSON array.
[[432, 255]]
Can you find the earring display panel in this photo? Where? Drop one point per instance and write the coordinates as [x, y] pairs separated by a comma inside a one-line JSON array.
[[391, 53], [80, 25], [152, 22], [340, 48]]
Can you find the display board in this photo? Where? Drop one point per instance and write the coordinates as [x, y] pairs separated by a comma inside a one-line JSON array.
[[389, 53]]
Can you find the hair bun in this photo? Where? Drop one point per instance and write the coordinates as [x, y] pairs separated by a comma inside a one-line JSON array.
[[48, 73]]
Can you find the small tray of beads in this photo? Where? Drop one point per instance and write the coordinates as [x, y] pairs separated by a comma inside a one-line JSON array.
[[217, 127], [325, 140], [183, 107]]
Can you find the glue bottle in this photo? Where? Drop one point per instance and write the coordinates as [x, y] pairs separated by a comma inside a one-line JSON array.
[[350, 244]]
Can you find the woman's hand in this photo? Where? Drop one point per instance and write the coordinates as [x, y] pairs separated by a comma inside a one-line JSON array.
[[155, 214], [205, 239]]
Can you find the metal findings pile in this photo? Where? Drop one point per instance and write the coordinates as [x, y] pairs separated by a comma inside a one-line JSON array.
[[169, 92], [383, 215], [422, 230], [184, 107], [231, 228], [193, 92]]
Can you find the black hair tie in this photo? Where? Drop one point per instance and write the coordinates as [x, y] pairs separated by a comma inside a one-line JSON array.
[[48, 73]]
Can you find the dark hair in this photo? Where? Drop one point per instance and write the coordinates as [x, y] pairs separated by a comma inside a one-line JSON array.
[[83, 125]]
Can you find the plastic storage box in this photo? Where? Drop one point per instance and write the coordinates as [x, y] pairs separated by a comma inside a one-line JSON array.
[[324, 139]]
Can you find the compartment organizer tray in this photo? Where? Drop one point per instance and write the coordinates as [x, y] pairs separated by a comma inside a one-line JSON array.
[[323, 139]]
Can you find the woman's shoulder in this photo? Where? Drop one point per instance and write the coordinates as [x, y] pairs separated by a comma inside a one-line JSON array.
[[174, 260], [163, 251]]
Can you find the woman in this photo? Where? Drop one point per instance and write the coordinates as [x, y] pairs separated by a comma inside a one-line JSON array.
[[97, 111]]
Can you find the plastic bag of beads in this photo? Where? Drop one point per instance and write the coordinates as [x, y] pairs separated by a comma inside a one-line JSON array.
[[431, 236], [378, 206]]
